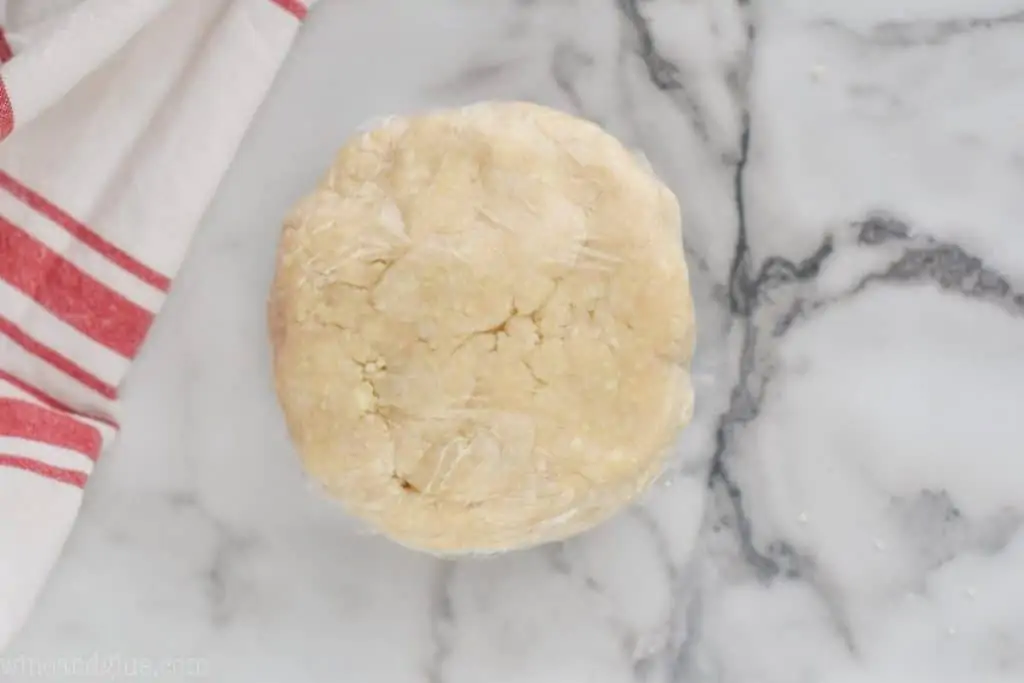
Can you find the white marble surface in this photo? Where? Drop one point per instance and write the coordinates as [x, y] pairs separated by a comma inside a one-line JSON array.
[[847, 506]]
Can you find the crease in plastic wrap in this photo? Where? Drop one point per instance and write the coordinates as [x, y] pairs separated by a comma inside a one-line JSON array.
[[482, 328]]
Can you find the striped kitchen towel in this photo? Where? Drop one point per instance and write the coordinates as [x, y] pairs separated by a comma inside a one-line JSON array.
[[117, 120]]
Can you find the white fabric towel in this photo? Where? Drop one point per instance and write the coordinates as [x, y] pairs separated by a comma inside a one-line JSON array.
[[118, 119]]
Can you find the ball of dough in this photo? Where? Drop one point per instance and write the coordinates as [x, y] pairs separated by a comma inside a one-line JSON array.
[[482, 327]]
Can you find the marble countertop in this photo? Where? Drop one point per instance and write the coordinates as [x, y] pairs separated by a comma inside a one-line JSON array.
[[847, 506]]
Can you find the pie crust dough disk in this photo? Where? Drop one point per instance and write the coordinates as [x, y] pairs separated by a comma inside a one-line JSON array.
[[482, 327]]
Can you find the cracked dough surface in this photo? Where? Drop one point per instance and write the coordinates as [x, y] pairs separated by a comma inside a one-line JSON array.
[[482, 327]]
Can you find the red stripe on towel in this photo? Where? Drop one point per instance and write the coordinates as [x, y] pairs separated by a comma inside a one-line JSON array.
[[64, 476], [34, 422], [57, 360], [293, 7], [76, 298], [82, 232]]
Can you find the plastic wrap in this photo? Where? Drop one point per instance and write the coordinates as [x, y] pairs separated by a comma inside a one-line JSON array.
[[482, 328]]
